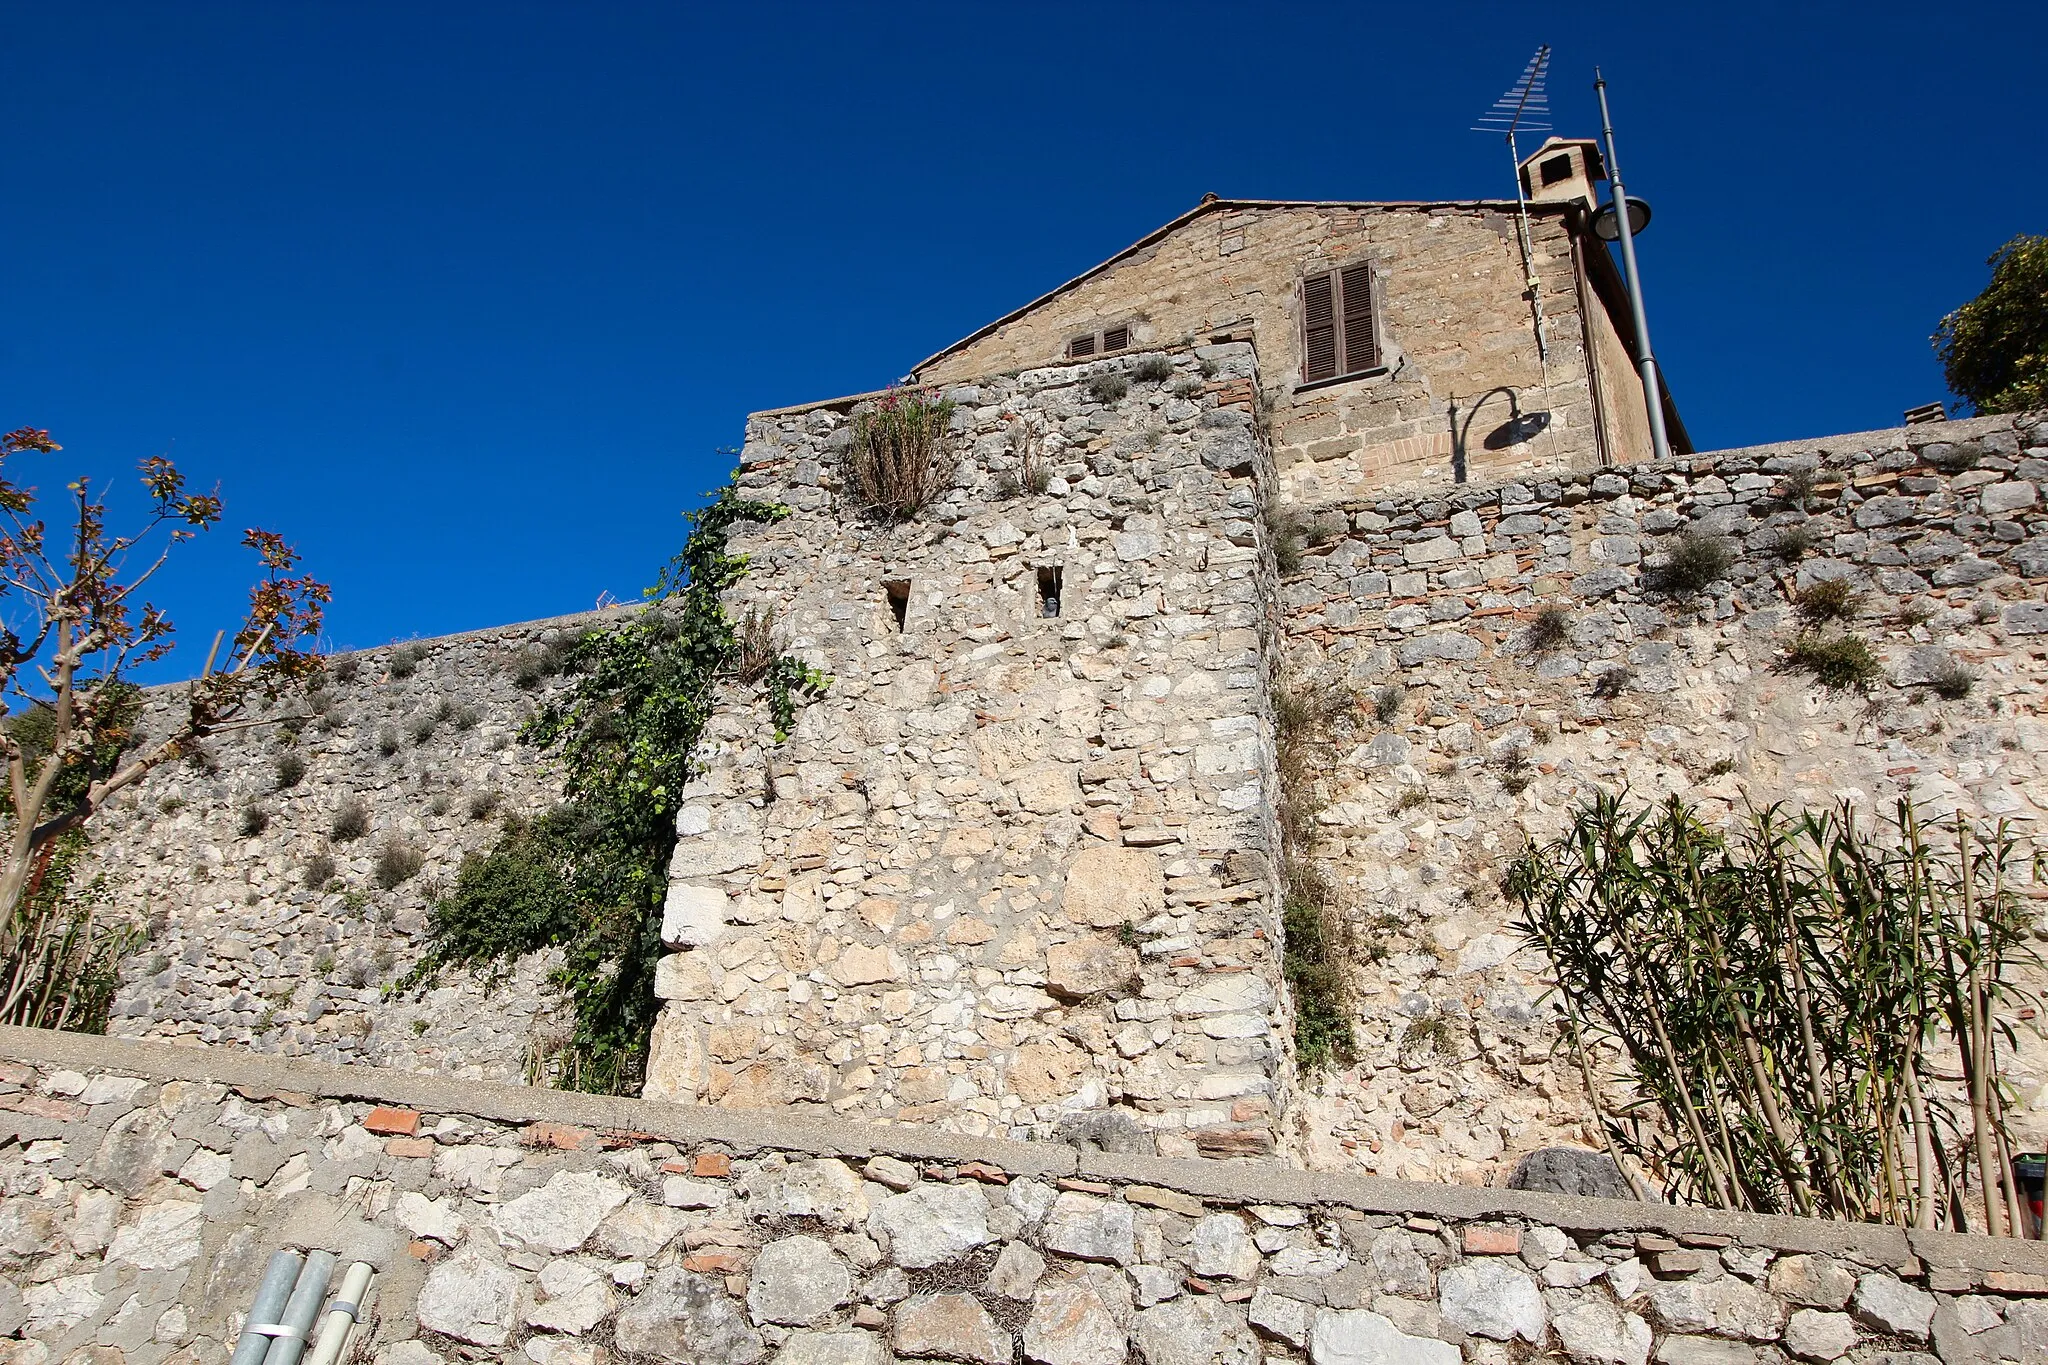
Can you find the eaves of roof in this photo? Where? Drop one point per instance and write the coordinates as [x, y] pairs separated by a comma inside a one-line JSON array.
[[1220, 206]]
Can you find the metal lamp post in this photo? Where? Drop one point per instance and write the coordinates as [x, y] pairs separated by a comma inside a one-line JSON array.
[[1625, 226]]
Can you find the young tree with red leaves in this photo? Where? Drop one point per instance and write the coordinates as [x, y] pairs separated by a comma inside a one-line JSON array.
[[72, 623]]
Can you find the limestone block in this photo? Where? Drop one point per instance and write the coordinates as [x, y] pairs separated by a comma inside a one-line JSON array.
[[574, 1296], [833, 1348], [1491, 1298], [1221, 1247], [164, 1237], [693, 916], [682, 976], [1049, 790], [1109, 886], [675, 1057], [933, 1223], [1091, 1229], [825, 1189], [469, 1298], [1044, 1072], [860, 965], [1076, 1322], [1090, 966], [1357, 1336], [1598, 1333], [796, 1281], [1195, 1331], [681, 1315], [951, 1326], [561, 1215]]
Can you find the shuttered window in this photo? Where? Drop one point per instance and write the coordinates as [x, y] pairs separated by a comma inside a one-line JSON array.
[[1117, 338], [1339, 336]]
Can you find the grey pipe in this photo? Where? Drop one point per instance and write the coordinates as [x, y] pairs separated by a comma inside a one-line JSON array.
[[270, 1296], [301, 1309], [1646, 360]]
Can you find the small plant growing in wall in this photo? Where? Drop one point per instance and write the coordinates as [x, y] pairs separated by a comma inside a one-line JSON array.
[[389, 741], [319, 872], [351, 822], [1188, 388], [405, 660], [1031, 473], [1794, 543], [1107, 389], [397, 862], [1830, 599], [290, 769], [255, 820], [1287, 535], [534, 665], [1798, 485], [1839, 663], [1387, 702], [1697, 560], [1610, 683], [900, 459], [1550, 628], [1153, 369], [759, 644], [1952, 681]]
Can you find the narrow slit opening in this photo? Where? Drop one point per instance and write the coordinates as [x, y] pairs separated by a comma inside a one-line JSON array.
[[1048, 592], [899, 602]]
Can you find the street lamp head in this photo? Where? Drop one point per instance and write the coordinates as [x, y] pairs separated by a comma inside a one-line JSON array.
[[1607, 230]]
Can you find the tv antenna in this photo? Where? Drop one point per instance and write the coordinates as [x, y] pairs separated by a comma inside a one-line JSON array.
[[1525, 108]]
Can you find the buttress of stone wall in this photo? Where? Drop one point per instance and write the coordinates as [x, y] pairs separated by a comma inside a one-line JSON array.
[[1942, 530], [270, 921], [1012, 874]]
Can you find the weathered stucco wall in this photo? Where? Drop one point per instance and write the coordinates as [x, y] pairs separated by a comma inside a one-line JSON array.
[[1012, 872], [1456, 325], [1457, 1074], [218, 858], [143, 1188]]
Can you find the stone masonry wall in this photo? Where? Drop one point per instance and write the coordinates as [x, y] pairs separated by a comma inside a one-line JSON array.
[[217, 858], [1011, 874], [143, 1188], [1941, 527]]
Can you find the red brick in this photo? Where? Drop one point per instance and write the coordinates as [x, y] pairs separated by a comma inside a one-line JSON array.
[[714, 1262], [1493, 1241], [711, 1166], [408, 1146], [563, 1137], [386, 1121], [421, 1251], [985, 1173], [675, 1165]]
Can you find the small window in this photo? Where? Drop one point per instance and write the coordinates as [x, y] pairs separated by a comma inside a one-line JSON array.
[[1048, 591], [899, 602], [1557, 168], [1339, 323], [1117, 338]]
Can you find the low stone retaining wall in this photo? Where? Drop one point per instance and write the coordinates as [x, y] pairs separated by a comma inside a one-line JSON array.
[[142, 1187]]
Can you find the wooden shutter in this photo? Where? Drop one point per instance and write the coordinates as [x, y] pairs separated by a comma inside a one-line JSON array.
[[1361, 338], [1116, 338], [1081, 346], [1319, 327]]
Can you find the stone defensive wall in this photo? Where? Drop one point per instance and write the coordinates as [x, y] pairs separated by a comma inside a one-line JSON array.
[[143, 1187], [1016, 873], [1471, 738], [275, 913], [1014, 870]]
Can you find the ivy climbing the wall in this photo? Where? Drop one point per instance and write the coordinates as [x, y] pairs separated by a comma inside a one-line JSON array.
[[589, 876]]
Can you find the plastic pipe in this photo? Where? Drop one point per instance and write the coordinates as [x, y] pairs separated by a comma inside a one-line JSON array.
[[300, 1309], [252, 1346], [342, 1314]]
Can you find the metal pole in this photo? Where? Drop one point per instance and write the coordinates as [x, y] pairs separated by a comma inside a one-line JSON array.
[[1653, 396]]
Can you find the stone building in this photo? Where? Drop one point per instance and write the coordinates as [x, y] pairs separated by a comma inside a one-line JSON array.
[[1399, 343]]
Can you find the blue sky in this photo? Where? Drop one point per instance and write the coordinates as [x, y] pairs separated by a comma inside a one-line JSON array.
[[465, 298]]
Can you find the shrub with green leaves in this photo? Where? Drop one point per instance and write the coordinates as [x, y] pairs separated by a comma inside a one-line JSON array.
[[1786, 1001], [1994, 349], [1697, 561], [1152, 369], [589, 876], [1837, 662]]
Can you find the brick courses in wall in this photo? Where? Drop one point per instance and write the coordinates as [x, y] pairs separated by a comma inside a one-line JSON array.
[[142, 1189]]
